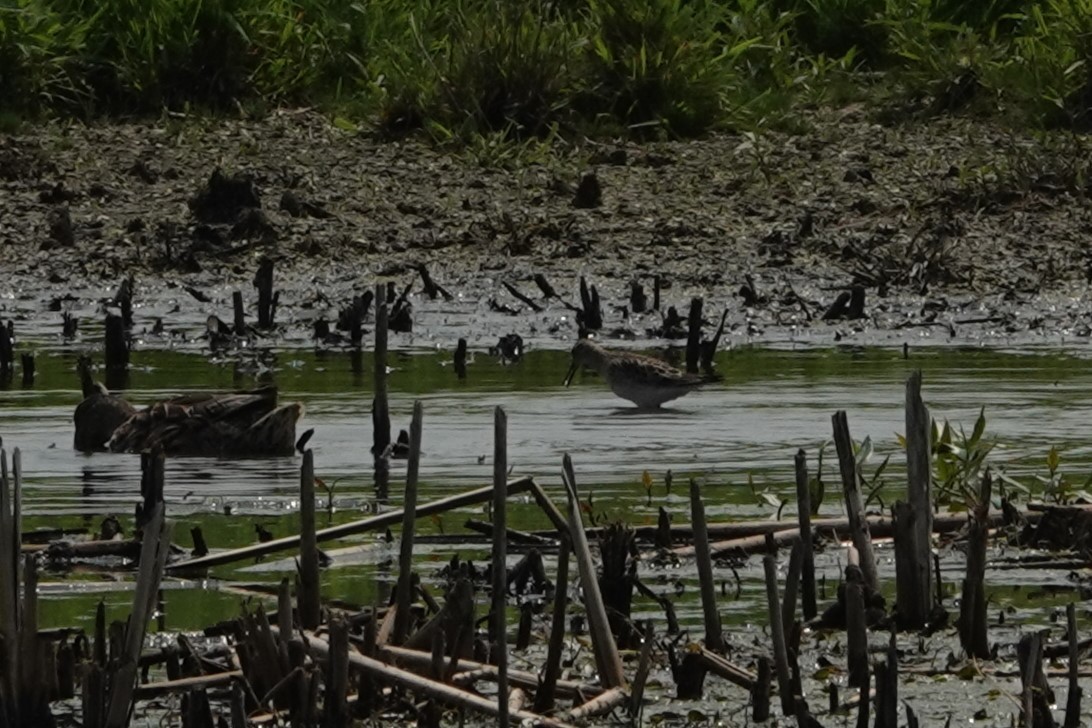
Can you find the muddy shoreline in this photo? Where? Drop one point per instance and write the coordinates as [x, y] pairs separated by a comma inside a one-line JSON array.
[[959, 231]]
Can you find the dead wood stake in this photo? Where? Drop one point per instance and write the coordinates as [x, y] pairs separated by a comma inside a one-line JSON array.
[[858, 525], [405, 591], [714, 639], [309, 603], [500, 559], [777, 636], [803, 512], [608, 661]]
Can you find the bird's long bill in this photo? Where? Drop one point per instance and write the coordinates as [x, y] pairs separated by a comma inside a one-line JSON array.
[[572, 373]]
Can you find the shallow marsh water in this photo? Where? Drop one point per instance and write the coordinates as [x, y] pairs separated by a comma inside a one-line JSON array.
[[737, 437]]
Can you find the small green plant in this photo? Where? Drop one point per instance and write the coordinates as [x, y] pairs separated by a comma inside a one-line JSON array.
[[1057, 487], [959, 461]]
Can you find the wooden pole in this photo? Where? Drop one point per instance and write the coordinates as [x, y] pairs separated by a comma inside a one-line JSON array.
[[803, 512], [404, 590], [309, 603], [858, 525], [470, 497], [714, 638], [500, 560]]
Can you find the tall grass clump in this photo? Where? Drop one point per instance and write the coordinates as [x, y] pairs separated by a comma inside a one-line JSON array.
[[527, 70], [40, 51], [491, 66]]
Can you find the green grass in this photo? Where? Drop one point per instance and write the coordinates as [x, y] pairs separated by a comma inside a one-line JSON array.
[[457, 69]]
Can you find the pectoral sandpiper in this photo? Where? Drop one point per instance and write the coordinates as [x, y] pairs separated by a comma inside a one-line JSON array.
[[645, 381]]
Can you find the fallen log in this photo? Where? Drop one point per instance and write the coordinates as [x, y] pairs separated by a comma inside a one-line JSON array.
[[390, 518], [418, 660], [426, 687]]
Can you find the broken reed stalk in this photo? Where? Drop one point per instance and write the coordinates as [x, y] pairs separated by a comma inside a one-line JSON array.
[[470, 497], [858, 525], [777, 635], [240, 314], [914, 520], [973, 632], [714, 638], [760, 691], [856, 638], [1037, 694], [1073, 697], [887, 688], [426, 687], [544, 696], [607, 660], [803, 512], [792, 586], [693, 336], [153, 558], [405, 590], [500, 559], [335, 707], [309, 603], [381, 416]]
